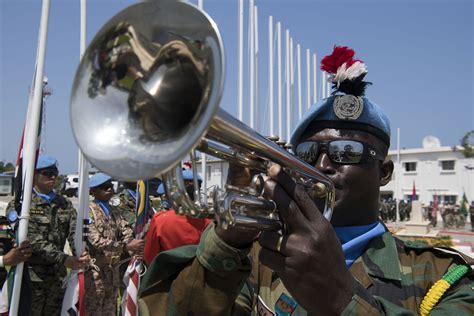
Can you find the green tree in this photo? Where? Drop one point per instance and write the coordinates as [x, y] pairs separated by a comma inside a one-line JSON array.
[[9, 167], [2, 166], [468, 144]]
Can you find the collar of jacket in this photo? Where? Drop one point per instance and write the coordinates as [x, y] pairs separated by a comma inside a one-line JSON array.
[[380, 260]]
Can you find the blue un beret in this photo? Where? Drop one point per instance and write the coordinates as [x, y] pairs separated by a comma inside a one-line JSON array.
[[335, 112], [98, 179], [45, 161], [187, 175]]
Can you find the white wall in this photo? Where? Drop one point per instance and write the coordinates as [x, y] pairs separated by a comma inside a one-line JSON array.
[[429, 178]]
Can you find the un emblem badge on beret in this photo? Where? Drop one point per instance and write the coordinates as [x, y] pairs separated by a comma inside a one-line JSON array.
[[348, 107]]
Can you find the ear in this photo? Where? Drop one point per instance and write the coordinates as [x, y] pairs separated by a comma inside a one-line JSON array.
[[386, 171]]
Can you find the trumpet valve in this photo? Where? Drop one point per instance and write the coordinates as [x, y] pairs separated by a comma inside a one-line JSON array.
[[319, 189]]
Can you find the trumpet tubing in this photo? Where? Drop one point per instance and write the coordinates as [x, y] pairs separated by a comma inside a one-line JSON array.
[[147, 93]]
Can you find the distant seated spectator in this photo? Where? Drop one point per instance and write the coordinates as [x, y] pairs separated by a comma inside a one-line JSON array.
[[168, 230]]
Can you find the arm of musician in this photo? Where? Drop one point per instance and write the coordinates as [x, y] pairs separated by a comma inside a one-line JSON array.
[[209, 285]]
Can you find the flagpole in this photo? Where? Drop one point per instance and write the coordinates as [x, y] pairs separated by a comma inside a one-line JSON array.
[[257, 109], [287, 70], [83, 190], [240, 61], [203, 155], [397, 176], [251, 63], [280, 106], [308, 79], [270, 74], [315, 81], [298, 65], [29, 151]]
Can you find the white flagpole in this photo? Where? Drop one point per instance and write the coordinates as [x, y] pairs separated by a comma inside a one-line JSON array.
[[328, 86], [280, 106], [308, 79], [323, 85], [240, 61], [315, 80], [257, 108], [203, 155], [29, 151], [83, 190], [270, 73], [398, 171], [292, 88], [251, 62], [287, 72], [298, 65]]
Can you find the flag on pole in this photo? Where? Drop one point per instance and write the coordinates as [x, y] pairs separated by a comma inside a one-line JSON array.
[[413, 193], [134, 269], [24, 306], [464, 205]]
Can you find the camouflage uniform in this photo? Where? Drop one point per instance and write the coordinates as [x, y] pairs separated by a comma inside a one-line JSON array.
[[127, 206], [215, 279], [107, 239], [49, 227], [6, 244]]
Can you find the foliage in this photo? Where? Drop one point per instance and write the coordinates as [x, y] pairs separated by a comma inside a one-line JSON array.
[[6, 166], [468, 150]]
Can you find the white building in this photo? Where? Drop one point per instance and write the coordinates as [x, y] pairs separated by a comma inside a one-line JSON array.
[[443, 171]]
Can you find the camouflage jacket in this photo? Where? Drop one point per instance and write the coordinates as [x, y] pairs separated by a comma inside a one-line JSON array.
[[127, 206], [216, 279], [107, 235], [7, 237], [49, 227]]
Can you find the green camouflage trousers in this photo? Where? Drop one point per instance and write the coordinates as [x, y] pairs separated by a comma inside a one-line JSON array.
[[47, 297]]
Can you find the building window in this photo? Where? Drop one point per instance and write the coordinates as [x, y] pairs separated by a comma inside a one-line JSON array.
[[447, 165], [449, 199], [208, 172], [410, 166]]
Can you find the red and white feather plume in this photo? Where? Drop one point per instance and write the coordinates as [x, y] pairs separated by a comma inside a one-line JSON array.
[[344, 70]]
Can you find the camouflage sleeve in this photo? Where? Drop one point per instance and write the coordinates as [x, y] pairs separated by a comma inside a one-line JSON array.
[[127, 231], [458, 301], [210, 285], [101, 243], [41, 247], [72, 227]]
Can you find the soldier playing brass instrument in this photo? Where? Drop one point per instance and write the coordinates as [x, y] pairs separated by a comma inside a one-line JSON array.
[[350, 265]]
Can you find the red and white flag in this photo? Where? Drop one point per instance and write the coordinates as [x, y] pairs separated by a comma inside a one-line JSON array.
[[130, 296]]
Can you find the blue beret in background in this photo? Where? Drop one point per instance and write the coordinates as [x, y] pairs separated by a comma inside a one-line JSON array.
[[46, 161], [98, 179]]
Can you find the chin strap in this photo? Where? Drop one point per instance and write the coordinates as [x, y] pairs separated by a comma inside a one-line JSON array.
[[440, 287]]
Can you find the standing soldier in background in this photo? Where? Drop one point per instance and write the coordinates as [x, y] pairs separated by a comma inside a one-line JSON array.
[[52, 222], [128, 202], [109, 237]]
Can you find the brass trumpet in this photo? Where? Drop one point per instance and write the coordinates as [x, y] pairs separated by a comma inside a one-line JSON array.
[[147, 94]]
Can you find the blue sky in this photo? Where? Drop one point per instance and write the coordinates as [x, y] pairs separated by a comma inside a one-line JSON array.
[[419, 54]]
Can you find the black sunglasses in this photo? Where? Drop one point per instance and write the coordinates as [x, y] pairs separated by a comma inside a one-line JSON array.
[[340, 151], [49, 173]]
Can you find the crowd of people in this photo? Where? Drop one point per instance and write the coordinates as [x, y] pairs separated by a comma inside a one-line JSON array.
[[349, 264], [110, 244]]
